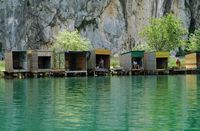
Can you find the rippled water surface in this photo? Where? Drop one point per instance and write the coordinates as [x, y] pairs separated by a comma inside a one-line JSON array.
[[101, 103]]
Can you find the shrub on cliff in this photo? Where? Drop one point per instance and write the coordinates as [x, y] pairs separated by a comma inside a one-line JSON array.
[[194, 41], [72, 41], [164, 34]]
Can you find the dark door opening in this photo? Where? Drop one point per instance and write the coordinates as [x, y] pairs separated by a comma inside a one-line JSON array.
[[19, 60], [103, 61], [161, 63], [44, 62], [137, 63], [76, 61]]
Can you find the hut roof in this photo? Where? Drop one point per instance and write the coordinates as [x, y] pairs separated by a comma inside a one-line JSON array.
[[162, 54], [102, 52], [135, 53]]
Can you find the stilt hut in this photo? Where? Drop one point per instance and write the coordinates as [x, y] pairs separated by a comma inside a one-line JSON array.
[[132, 61], [156, 61], [16, 61], [99, 62], [17, 64], [192, 60], [76, 62], [41, 61]]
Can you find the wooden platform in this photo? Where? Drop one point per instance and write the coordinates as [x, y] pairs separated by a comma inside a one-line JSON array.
[[21, 74], [137, 72], [76, 73], [118, 71]]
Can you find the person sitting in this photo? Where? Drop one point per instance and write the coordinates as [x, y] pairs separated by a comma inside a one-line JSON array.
[[101, 63], [135, 65], [178, 63]]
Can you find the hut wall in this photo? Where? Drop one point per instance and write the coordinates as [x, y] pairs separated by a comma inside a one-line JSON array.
[[126, 61], [29, 59], [92, 61], [8, 62], [34, 61], [150, 61], [191, 60]]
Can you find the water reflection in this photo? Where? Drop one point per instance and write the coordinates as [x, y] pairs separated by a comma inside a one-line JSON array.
[[101, 103]]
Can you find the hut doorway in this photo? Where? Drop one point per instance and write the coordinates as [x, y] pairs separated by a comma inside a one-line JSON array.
[[75, 61], [161, 63], [138, 61], [44, 62], [19, 60], [106, 61]]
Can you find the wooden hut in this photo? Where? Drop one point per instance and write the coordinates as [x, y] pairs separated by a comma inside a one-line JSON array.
[[192, 60], [41, 61], [76, 62], [16, 61], [99, 62], [128, 58], [156, 61]]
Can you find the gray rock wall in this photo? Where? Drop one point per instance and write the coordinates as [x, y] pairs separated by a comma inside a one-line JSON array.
[[111, 24]]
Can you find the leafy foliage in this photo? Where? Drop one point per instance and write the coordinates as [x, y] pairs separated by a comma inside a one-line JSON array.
[[68, 41], [143, 47], [172, 62], [115, 62], [194, 41], [71, 41], [164, 34]]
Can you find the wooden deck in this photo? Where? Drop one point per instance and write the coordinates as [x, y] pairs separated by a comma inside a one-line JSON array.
[[76, 73], [118, 71], [98, 72], [137, 71]]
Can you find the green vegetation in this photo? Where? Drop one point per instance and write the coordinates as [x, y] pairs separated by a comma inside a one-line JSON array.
[[115, 62], [71, 41], [143, 47], [164, 34], [68, 41], [172, 62], [194, 41], [2, 68]]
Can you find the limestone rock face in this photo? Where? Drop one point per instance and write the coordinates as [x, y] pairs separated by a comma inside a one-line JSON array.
[[111, 24]]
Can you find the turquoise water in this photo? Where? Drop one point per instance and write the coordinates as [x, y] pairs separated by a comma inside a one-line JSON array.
[[101, 103]]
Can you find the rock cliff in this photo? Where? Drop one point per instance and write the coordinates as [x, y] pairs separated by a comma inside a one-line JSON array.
[[112, 24]]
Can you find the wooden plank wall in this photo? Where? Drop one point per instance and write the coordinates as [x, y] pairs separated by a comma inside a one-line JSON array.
[[191, 61], [150, 61], [8, 62], [92, 61], [126, 61], [34, 61]]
